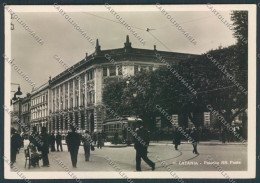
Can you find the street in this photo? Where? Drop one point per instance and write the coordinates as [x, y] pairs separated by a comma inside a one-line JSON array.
[[231, 157]]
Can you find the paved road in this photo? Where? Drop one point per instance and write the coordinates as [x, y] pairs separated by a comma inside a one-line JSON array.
[[181, 160]]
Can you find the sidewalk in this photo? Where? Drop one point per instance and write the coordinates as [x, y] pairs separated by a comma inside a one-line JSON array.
[[169, 142], [211, 142]]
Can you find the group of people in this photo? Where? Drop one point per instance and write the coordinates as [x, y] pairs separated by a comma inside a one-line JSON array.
[[58, 140], [194, 134], [17, 141], [41, 143]]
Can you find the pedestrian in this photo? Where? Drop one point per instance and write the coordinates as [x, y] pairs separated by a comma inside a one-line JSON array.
[[34, 137], [87, 142], [52, 142], [22, 139], [15, 144], [223, 136], [177, 139], [116, 137], [195, 139], [59, 141], [44, 147], [99, 140], [94, 137], [141, 146], [73, 141], [35, 155]]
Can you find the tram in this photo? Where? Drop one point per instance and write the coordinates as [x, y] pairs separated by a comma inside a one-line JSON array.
[[125, 129]]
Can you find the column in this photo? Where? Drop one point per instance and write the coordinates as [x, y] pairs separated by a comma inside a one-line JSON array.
[[73, 85], [85, 78], [68, 121], [59, 99], [64, 97], [59, 127], [79, 118], [68, 94], [63, 129], [79, 87], [51, 124], [73, 118], [56, 122], [85, 120]]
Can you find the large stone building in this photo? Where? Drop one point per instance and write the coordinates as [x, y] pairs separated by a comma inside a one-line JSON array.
[[76, 93], [39, 107]]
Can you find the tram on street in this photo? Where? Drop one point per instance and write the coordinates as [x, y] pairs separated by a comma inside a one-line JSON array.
[[124, 128]]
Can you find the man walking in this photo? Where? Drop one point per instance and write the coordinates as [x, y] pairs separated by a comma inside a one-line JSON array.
[[116, 138], [73, 141], [195, 138], [141, 145], [86, 140], [52, 142], [58, 141], [15, 144], [177, 139], [44, 147]]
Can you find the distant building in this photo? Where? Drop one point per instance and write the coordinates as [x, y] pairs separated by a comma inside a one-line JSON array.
[[16, 114], [39, 107], [26, 112]]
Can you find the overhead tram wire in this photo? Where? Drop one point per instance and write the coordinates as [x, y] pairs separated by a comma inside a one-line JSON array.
[[159, 41], [147, 28], [113, 21], [131, 26], [185, 22]]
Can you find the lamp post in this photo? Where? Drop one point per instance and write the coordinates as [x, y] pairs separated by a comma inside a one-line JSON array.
[[16, 93]]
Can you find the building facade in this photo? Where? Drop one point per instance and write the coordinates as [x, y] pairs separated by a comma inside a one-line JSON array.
[[39, 107], [16, 114], [26, 111], [76, 94]]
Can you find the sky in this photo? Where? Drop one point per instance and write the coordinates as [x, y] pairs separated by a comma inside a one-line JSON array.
[[62, 39]]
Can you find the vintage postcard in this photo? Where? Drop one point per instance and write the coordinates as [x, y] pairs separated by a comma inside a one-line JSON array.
[[130, 92]]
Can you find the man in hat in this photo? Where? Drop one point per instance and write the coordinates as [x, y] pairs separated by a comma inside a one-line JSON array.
[[15, 144], [141, 145], [34, 137], [44, 147], [52, 142], [58, 141], [73, 141]]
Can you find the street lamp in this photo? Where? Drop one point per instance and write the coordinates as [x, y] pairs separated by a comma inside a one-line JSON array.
[[19, 91], [16, 93]]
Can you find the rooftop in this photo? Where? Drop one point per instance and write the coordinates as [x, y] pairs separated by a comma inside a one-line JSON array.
[[127, 53]]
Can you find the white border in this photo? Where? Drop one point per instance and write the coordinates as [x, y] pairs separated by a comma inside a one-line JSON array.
[[251, 152]]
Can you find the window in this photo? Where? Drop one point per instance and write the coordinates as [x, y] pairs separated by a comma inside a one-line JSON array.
[[120, 70], [82, 89], [112, 70], [136, 69], [143, 68], [91, 97], [90, 74], [71, 93], [76, 92], [104, 71]]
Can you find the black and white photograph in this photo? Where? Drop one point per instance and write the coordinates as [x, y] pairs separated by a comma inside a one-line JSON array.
[[130, 91]]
